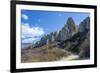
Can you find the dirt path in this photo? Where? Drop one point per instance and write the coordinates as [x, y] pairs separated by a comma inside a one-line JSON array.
[[71, 57]]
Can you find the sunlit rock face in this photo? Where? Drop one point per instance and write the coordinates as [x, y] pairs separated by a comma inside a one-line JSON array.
[[68, 30]]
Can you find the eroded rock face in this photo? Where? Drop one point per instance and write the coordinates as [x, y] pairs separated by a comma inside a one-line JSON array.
[[71, 37], [85, 45], [85, 49], [84, 25], [68, 30], [80, 42]]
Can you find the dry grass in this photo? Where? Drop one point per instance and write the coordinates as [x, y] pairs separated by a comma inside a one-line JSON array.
[[43, 54]]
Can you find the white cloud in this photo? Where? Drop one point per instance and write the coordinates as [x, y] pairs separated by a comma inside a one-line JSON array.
[[30, 34], [30, 40], [24, 16]]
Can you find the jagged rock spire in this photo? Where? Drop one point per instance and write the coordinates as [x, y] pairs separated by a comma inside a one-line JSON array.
[[84, 25]]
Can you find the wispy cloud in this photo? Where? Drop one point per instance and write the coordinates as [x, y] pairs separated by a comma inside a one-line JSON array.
[[30, 40], [30, 34], [24, 16]]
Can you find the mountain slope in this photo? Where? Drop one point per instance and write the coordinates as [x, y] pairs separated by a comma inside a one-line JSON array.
[[70, 40]]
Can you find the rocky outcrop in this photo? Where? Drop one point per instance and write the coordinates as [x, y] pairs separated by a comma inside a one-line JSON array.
[[85, 45], [80, 42], [68, 30], [84, 25], [71, 37]]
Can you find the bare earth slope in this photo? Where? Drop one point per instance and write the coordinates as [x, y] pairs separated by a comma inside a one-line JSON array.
[[45, 54]]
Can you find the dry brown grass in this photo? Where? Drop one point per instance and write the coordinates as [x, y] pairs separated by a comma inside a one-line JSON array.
[[43, 54]]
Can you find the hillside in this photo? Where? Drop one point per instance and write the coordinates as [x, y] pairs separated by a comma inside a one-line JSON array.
[[71, 42]]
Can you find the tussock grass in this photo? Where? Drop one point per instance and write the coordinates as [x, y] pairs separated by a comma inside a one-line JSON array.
[[43, 54]]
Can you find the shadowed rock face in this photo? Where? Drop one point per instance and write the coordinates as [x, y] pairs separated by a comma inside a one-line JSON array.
[[71, 37], [85, 45], [80, 42], [84, 25]]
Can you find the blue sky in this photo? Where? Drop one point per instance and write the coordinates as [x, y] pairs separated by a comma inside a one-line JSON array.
[[37, 23]]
